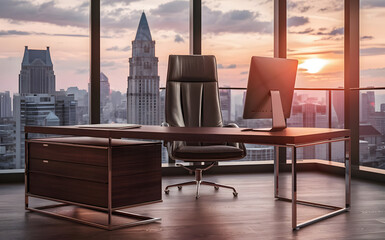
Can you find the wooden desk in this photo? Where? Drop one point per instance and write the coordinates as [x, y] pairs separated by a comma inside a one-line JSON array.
[[292, 138]]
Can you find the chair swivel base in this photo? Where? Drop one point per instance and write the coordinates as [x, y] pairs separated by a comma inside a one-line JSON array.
[[198, 182]]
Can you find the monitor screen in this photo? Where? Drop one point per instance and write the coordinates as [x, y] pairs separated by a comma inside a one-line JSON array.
[[268, 74]]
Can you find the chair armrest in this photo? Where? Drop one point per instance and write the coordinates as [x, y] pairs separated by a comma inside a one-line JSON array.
[[233, 125], [238, 145], [164, 124], [165, 143]]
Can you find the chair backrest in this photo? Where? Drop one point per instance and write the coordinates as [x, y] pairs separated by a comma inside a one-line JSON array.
[[192, 96]]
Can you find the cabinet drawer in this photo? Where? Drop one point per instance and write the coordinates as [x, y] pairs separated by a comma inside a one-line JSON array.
[[68, 189], [135, 160], [67, 169], [66, 153]]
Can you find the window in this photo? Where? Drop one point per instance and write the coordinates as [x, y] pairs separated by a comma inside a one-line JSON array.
[[44, 61], [372, 77]]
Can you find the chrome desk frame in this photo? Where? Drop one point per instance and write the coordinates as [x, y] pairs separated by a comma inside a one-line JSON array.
[[109, 210], [294, 201]]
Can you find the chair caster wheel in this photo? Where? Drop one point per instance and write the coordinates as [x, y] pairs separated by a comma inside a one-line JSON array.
[[216, 187], [235, 194], [166, 191], [179, 187]]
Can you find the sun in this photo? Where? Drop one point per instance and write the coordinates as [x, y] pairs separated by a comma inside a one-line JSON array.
[[313, 65]]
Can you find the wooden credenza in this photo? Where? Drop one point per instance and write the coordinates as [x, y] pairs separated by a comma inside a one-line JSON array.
[[76, 169]]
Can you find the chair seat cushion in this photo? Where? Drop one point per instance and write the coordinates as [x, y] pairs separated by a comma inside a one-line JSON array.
[[204, 153]]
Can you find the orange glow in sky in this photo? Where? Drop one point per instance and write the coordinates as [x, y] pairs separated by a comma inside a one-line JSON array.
[[313, 65]]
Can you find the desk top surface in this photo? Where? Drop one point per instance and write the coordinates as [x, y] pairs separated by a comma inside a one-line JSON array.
[[288, 136]]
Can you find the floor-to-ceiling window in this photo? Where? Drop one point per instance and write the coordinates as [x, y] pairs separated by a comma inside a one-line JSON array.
[[372, 80], [315, 37], [234, 33], [44, 62]]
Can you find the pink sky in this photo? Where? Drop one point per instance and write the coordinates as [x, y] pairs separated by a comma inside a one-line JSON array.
[[233, 33]]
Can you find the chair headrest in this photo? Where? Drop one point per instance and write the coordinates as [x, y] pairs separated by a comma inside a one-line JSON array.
[[192, 68]]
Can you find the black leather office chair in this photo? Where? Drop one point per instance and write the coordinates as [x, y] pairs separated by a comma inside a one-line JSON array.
[[192, 100]]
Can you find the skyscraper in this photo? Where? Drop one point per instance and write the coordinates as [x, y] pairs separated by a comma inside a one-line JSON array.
[[37, 103], [143, 80], [5, 105], [36, 75], [29, 110], [225, 97], [104, 89]]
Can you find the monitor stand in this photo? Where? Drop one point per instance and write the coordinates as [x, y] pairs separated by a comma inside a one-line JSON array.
[[278, 118]]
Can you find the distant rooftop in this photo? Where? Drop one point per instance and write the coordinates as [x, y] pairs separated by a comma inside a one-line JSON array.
[[31, 55], [143, 33]]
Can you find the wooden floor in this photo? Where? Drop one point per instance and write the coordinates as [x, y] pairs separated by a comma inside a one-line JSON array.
[[255, 214]]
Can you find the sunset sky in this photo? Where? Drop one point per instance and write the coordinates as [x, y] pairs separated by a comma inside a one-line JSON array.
[[231, 32]]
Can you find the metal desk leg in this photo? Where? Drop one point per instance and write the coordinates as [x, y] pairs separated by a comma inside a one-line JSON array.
[[276, 173], [348, 167], [294, 187]]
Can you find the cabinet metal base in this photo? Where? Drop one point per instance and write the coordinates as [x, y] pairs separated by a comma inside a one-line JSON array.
[[140, 219]]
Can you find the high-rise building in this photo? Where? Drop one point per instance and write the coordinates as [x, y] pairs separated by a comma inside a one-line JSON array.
[[225, 98], [29, 110], [65, 108], [367, 107], [5, 105], [7, 143], [104, 89], [143, 81], [36, 75]]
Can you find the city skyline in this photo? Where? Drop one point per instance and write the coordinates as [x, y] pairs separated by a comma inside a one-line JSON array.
[[232, 33]]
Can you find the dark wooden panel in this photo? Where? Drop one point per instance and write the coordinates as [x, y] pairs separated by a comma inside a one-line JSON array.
[[136, 188], [66, 169], [52, 151], [136, 159], [92, 141], [68, 189]]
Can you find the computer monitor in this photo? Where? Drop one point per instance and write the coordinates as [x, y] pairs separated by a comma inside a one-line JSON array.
[[270, 90]]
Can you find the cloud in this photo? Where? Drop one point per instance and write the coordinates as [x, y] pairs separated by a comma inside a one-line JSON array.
[[22, 33], [332, 6], [372, 51], [81, 70], [114, 2], [178, 38], [373, 3], [306, 31], [367, 38], [373, 72], [245, 72], [230, 66], [296, 21], [337, 31], [116, 48], [107, 64], [234, 21], [300, 6], [170, 16], [171, 8], [125, 49], [20, 10], [13, 32]]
